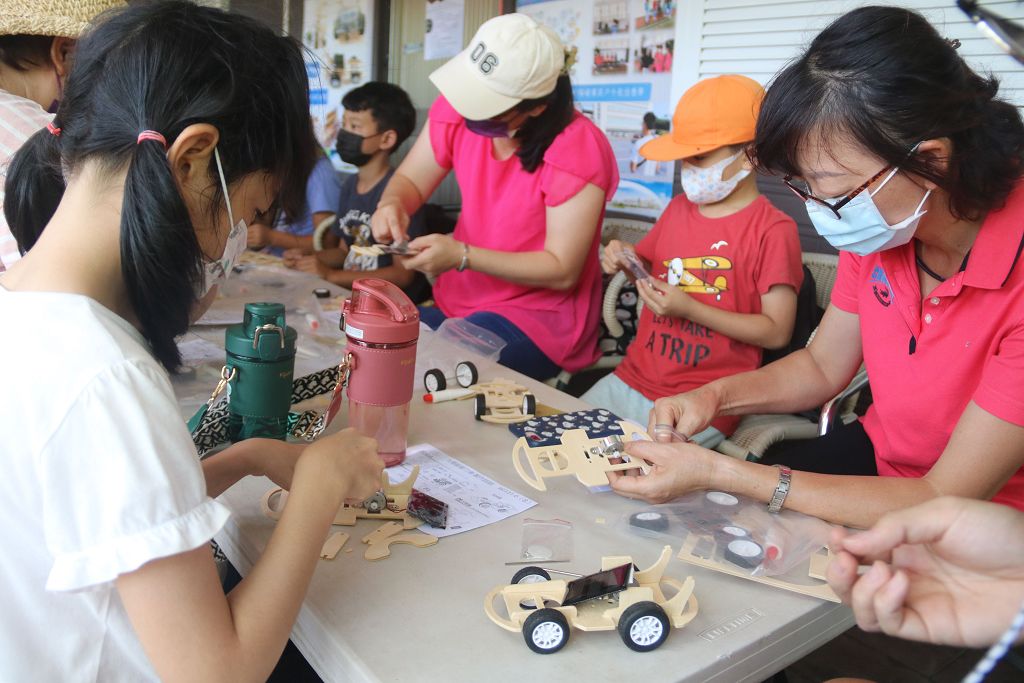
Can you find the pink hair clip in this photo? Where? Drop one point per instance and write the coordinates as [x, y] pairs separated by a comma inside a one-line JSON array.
[[152, 135], [54, 130]]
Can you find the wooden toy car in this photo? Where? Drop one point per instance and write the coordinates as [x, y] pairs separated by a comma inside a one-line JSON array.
[[466, 376], [590, 459], [502, 401], [617, 598]]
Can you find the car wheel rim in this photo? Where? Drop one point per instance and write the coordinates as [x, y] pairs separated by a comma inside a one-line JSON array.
[[547, 635], [464, 375], [646, 630]]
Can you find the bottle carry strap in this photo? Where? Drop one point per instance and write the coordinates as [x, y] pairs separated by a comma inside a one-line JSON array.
[[209, 425]]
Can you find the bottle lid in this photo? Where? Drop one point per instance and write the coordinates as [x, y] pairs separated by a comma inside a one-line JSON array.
[[262, 335], [379, 312]]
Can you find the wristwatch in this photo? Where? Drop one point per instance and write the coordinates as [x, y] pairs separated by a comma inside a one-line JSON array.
[[465, 258], [779, 497]]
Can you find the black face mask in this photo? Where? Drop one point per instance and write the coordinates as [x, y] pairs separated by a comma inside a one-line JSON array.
[[350, 148]]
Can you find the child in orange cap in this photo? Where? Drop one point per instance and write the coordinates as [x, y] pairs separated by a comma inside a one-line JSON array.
[[724, 263]]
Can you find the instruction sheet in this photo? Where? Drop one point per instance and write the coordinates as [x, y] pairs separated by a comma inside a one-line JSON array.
[[473, 499]]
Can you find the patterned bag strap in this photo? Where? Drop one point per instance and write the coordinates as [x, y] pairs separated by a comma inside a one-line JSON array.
[[209, 426]]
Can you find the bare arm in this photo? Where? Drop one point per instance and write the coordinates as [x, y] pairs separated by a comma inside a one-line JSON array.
[[410, 186], [772, 328], [255, 457], [567, 246], [191, 631]]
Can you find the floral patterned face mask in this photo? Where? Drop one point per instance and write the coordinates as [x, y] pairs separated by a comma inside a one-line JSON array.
[[705, 185]]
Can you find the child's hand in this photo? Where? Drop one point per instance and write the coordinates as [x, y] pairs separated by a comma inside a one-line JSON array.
[[291, 256], [345, 462], [333, 257], [610, 262], [259, 236], [437, 253], [663, 298], [312, 265]]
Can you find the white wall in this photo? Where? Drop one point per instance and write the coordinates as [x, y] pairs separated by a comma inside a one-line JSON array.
[[758, 37]]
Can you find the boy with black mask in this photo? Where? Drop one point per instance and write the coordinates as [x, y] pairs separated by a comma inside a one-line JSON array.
[[378, 118]]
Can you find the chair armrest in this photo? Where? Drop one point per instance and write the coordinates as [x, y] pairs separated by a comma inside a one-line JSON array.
[[320, 230], [609, 303], [830, 411]]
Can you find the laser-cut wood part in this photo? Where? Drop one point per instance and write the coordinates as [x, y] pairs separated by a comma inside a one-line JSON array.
[[690, 553], [502, 401], [333, 544], [382, 532], [578, 454], [381, 549]]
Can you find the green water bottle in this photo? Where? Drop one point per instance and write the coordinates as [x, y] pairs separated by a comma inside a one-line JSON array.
[[261, 352]]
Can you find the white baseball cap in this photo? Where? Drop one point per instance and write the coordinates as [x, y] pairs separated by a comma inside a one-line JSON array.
[[510, 59]]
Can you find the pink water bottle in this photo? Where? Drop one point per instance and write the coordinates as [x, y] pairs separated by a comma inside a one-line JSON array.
[[382, 326]]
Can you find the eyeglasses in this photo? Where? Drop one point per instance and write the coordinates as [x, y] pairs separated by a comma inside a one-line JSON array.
[[802, 190], [1007, 34]]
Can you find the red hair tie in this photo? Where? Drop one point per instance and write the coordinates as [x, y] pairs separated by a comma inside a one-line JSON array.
[[54, 130], [152, 135]]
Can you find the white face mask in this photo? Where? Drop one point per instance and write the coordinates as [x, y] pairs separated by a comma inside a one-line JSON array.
[[215, 271], [705, 185], [862, 229]]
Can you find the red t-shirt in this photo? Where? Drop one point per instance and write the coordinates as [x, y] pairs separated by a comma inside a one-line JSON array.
[[504, 208], [724, 262], [928, 359]]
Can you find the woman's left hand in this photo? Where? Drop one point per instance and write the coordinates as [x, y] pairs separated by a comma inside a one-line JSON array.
[[664, 299], [676, 469], [437, 253]]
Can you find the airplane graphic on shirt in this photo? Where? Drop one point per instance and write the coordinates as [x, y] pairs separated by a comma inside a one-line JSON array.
[[679, 274]]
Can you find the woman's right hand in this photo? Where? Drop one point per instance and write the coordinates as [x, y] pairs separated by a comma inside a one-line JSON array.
[[390, 223], [345, 462], [610, 262], [688, 413]]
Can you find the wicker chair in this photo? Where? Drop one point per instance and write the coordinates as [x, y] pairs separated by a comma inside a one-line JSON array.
[[756, 433]]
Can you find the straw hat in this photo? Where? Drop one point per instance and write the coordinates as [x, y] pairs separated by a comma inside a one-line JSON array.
[[66, 18]]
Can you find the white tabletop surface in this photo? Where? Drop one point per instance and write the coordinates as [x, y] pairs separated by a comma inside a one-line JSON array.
[[418, 615]]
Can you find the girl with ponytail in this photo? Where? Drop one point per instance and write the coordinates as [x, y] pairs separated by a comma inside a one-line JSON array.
[[178, 124]]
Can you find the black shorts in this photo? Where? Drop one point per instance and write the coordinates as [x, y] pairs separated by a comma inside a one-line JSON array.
[[845, 450]]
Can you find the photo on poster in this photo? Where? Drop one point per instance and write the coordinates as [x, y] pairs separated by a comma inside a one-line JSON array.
[[611, 17], [611, 57], [338, 59], [654, 14], [631, 114], [564, 17], [652, 52]]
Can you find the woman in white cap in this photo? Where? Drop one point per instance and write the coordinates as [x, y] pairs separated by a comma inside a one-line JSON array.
[[36, 42], [534, 175]]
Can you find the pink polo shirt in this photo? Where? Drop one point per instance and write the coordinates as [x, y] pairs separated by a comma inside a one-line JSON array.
[[503, 208], [928, 359]]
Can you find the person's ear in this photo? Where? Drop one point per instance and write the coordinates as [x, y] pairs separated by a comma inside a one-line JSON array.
[[935, 153], [388, 140], [190, 156], [537, 111], [61, 51]]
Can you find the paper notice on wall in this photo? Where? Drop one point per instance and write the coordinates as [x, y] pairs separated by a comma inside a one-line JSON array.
[[443, 32]]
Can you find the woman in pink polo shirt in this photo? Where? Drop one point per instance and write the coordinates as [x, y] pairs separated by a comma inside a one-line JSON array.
[[911, 166], [534, 175]]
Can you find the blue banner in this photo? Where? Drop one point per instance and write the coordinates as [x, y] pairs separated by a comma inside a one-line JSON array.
[[612, 92], [318, 96]]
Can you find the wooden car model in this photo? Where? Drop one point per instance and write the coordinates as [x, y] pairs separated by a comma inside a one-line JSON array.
[[502, 401], [617, 598]]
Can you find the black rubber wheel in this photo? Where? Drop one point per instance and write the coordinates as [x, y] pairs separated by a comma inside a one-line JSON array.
[[644, 626], [537, 573], [434, 380], [466, 374], [479, 406], [529, 405], [655, 521], [546, 631]]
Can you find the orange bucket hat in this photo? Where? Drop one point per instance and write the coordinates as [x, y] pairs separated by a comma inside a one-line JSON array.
[[713, 113]]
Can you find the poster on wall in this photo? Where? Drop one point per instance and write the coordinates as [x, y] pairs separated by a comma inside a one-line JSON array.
[[442, 37], [621, 82], [338, 35]]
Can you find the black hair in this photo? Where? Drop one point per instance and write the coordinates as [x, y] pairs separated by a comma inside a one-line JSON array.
[[537, 134], [21, 52], [650, 120], [389, 106], [885, 79], [164, 66]]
